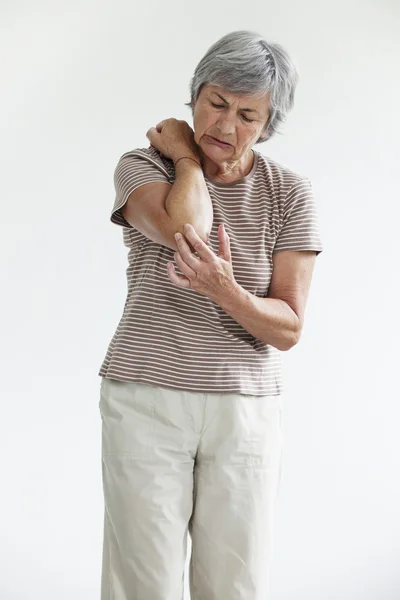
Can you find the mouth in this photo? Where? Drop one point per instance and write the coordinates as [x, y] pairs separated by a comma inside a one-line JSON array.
[[217, 141]]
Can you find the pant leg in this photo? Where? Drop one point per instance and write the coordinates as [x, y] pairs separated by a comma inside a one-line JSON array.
[[147, 470], [237, 477]]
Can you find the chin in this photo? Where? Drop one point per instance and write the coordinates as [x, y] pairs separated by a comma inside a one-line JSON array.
[[209, 153]]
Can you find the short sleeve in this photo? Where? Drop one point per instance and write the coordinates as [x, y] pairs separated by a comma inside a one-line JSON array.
[[300, 226], [135, 168]]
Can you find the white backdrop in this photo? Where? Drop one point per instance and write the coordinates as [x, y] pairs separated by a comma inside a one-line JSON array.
[[81, 84]]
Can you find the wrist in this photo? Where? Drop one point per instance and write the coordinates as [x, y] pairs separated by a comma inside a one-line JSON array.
[[187, 155], [233, 297]]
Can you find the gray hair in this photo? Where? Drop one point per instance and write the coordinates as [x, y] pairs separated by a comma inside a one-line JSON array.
[[243, 62]]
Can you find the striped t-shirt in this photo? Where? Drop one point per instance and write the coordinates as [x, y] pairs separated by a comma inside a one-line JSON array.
[[176, 338]]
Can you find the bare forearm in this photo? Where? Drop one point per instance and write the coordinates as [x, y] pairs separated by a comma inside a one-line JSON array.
[[270, 320], [189, 200]]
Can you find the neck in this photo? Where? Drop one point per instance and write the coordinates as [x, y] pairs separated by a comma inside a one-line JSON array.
[[228, 171]]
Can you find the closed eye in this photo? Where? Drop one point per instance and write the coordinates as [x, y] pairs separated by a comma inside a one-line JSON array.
[[222, 106]]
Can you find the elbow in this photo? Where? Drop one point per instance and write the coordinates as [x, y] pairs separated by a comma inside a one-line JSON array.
[[204, 233], [291, 339], [199, 229], [205, 236]]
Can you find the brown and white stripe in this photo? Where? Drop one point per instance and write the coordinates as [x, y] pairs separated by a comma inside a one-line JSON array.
[[176, 338]]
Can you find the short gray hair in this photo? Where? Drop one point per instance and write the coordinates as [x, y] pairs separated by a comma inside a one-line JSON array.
[[243, 62]]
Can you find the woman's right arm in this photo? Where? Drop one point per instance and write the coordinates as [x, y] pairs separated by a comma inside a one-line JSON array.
[[159, 210], [188, 200]]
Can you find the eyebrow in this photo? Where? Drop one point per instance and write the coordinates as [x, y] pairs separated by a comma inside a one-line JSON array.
[[226, 102]]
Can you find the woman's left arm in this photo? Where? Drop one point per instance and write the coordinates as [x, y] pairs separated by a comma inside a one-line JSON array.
[[277, 319]]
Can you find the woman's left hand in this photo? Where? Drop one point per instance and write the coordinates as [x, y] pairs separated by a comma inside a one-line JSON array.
[[208, 274]]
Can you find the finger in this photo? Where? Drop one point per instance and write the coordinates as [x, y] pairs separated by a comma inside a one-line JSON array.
[[224, 243], [200, 247], [159, 152], [152, 133], [161, 124], [186, 253], [184, 267], [178, 280]]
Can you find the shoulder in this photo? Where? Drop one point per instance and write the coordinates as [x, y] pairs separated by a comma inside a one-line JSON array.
[[279, 176], [150, 156]]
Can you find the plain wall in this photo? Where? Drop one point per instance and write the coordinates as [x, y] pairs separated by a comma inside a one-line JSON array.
[[82, 82]]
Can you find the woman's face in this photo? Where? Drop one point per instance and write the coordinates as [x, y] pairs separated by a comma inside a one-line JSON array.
[[223, 115]]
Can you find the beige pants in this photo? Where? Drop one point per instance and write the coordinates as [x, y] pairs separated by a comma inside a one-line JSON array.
[[175, 462]]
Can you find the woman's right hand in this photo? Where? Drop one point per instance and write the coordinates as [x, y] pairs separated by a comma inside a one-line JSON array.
[[173, 138]]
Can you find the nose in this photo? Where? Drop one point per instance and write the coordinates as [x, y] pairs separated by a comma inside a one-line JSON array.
[[226, 125], [226, 129]]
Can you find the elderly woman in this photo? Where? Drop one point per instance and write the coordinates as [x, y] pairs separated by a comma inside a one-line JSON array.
[[222, 244]]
